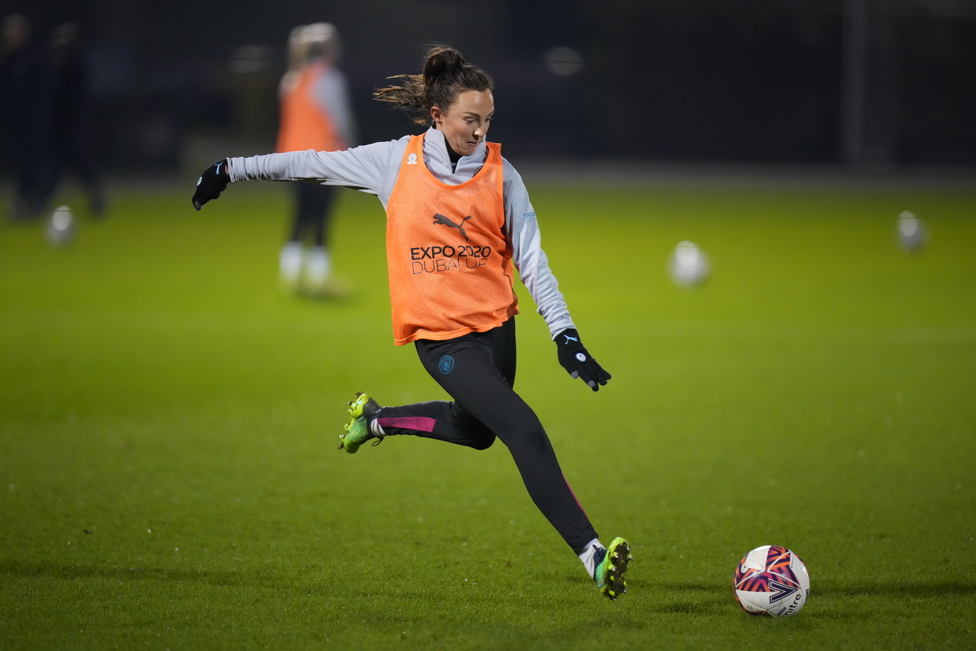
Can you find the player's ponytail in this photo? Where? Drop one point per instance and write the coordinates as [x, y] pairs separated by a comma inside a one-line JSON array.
[[446, 75]]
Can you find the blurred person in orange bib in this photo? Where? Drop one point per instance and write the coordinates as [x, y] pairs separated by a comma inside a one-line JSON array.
[[315, 115], [459, 223]]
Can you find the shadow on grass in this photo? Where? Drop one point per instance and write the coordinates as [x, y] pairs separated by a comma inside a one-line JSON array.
[[712, 599], [134, 573], [708, 598]]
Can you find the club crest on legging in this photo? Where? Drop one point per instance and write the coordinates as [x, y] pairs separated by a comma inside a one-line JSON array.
[[446, 364]]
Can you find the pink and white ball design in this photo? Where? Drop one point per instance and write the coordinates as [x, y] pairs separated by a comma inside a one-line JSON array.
[[771, 581]]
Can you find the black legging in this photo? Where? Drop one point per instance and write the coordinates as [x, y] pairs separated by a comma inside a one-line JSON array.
[[478, 371], [313, 207]]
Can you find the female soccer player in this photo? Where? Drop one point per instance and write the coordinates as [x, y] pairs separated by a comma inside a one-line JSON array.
[[458, 218]]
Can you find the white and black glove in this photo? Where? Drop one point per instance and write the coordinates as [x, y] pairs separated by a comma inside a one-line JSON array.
[[577, 361], [211, 183]]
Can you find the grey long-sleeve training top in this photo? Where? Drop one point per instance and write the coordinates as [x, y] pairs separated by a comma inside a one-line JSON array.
[[374, 169]]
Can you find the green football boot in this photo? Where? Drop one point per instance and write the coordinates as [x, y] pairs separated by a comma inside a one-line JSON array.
[[357, 429], [610, 570]]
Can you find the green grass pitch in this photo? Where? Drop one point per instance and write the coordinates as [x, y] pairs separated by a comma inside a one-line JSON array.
[[169, 477]]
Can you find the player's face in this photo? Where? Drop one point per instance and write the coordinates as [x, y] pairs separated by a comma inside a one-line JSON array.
[[465, 122]]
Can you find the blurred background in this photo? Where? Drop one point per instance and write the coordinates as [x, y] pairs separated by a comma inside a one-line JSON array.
[[853, 84]]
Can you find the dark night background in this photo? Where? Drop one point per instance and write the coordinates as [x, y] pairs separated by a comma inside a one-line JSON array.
[[749, 81]]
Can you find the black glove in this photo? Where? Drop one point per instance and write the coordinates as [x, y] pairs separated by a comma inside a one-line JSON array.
[[577, 361], [211, 183]]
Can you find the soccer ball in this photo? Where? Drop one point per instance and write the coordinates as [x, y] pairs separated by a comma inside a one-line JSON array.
[[688, 264], [771, 581], [912, 233], [60, 229]]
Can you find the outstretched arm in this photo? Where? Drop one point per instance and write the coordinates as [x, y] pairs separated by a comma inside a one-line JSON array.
[[369, 168]]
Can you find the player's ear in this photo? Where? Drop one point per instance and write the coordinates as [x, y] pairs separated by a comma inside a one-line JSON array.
[[436, 115]]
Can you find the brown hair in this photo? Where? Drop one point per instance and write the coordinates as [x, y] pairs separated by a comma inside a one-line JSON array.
[[446, 75]]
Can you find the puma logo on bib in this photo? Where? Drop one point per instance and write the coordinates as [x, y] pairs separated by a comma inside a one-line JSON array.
[[441, 219]]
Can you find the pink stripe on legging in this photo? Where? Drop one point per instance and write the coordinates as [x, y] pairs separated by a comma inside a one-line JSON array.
[[419, 423], [574, 495]]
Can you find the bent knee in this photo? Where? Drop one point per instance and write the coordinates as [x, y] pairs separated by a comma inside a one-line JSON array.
[[483, 442]]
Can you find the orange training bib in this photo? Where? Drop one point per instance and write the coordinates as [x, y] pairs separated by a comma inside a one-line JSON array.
[[304, 122], [449, 262]]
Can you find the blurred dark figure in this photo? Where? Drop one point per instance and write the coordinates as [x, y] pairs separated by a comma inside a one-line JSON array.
[[68, 142], [24, 91]]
